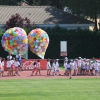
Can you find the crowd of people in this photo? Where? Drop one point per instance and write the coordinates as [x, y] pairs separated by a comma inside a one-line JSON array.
[[82, 66], [13, 65], [73, 67]]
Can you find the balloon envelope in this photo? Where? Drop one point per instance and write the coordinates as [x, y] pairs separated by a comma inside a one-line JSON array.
[[38, 42], [15, 40]]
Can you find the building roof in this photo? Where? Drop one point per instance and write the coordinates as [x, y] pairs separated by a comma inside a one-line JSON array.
[[40, 15]]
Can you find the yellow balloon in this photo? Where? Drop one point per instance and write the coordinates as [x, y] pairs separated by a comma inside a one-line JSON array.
[[43, 53]]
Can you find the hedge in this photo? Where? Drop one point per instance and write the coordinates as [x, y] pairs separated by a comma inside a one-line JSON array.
[[82, 43]]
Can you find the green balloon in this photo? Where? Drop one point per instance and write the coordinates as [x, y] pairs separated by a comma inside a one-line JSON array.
[[14, 33]]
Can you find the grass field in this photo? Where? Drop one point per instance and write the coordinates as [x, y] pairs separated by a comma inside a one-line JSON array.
[[50, 89]]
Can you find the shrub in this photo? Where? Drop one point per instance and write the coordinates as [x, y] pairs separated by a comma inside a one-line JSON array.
[[17, 21]]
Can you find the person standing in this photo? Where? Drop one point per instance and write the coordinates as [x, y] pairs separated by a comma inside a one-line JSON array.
[[9, 63], [9, 56], [13, 66], [79, 65], [91, 68], [53, 67], [18, 57], [69, 69], [38, 68], [75, 67], [72, 67], [2, 67], [57, 67], [65, 65], [83, 66], [34, 68], [48, 67], [16, 64], [96, 67]]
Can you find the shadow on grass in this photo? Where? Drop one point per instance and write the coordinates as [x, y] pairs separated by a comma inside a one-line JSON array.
[[21, 94]]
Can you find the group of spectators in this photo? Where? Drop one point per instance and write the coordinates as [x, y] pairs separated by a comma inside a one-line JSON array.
[[13, 65]]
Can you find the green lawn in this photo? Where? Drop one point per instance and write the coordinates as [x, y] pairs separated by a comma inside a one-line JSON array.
[[50, 89]]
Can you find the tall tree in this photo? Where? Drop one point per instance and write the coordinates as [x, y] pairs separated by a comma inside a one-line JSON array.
[[55, 3], [9, 2], [89, 8]]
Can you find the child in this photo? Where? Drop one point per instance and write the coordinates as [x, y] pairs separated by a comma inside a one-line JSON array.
[[2, 67], [19, 58], [69, 69], [91, 68], [96, 67], [12, 66], [16, 64], [72, 67], [53, 67], [9, 66], [38, 67], [75, 67], [87, 67], [83, 66], [79, 65], [48, 67], [57, 67], [65, 65], [34, 68]]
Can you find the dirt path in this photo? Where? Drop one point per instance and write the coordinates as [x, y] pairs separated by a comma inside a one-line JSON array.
[[27, 75]]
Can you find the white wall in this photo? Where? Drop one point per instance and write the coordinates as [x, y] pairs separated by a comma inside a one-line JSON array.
[[66, 26], [2, 26]]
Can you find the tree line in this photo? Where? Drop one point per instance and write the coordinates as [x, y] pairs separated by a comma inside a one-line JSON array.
[[85, 8]]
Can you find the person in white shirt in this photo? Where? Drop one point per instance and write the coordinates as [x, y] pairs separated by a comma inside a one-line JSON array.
[[48, 67], [65, 65], [87, 67], [16, 64], [72, 67], [34, 68], [69, 69], [9, 56], [83, 66], [75, 67], [13, 66], [96, 67], [79, 65], [38, 68], [53, 67], [57, 67], [2, 67], [9, 63]]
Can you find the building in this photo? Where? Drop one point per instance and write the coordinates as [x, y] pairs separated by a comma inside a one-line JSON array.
[[44, 16]]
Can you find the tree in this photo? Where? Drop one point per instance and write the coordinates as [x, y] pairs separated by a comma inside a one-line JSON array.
[[17, 21], [55, 3], [9, 2], [89, 8]]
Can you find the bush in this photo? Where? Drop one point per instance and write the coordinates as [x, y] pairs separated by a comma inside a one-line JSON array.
[[17, 21], [82, 43]]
